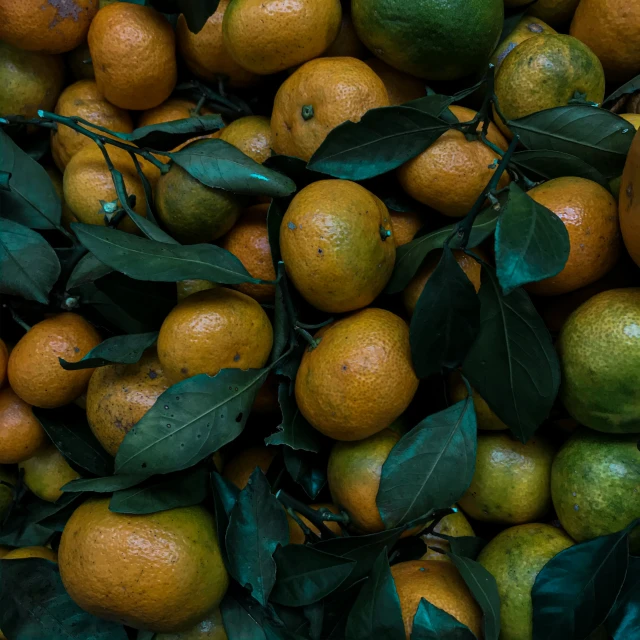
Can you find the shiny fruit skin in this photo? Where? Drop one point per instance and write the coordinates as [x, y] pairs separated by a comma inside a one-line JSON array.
[[251, 134], [21, 434]]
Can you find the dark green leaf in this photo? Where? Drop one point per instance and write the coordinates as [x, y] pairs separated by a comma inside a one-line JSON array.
[[295, 168], [623, 623], [225, 496], [283, 333], [531, 242], [87, 270], [119, 350], [384, 139], [108, 484], [629, 87], [435, 104], [307, 469], [145, 635], [430, 467], [238, 623], [431, 623], [512, 364], [336, 611], [277, 209], [218, 164], [257, 526], [467, 546], [28, 264], [315, 615], [195, 13], [150, 229], [306, 575], [446, 318], [510, 23]]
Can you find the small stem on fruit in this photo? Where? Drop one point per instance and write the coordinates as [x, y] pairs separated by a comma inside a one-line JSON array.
[[384, 233], [307, 112], [311, 341]]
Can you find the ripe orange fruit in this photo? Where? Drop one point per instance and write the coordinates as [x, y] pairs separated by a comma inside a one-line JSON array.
[[133, 53], [170, 110], [454, 525], [239, 469], [554, 12], [32, 552], [211, 330], [347, 43], [267, 36], [161, 571], [405, 225], [34, 371], [487, 420], [4, 359], [440, 584], [211, 628], [48, 27], [337, 245], [630, 201], [84, 99], [46, 472], [400, 86], [590, 214], [319, 96], [451, 174], [21, 434], [251, 134], [187, 287], [359, 378], [296, 535]]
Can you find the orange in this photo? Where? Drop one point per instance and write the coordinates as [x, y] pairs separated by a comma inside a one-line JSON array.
[[21, 434], [555, 12], [405, 225], [49, 27], [34, 371], [611, 29], [440, 584], [133, 53], [211, 330], [630, 201], [347, 42], [453, 172], [337, 245], [170, 110], [211, 628], [32, 552], [161, 571], [359, 378], [297, 536], [319, 96], [46, 472], [248, 240], [4, 359], [120, 394], [252, 135], [84, 99], [401, 87], [187, 287], [454, 525], [487, 420], [239, 469], [266, 36], [590, 215]]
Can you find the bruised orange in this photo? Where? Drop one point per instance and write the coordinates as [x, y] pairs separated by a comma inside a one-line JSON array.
[[401, 87], [251, 134], [21, 434], [239, 469]]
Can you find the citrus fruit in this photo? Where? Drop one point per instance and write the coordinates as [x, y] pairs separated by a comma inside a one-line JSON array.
[[266, 36], [211, 330], [8, 478], [455, 525], [594, 484], [297, 536], [79, 61], [21, 435], [611, 29], [3, 553], [485, 416], [514, 558], [251, 134], [187, 287], [590, 215], [211, 628], [161, 571], [46, 472], [266, 400], [238, 470], [511, 481], [133, 53], [630, 202], [359, 378], [120, 394], [4, 360], [401, 87], [248, 240], [347, 44], [49, 27], [170, 110], [32, 552], [633, 118], [319, 96], [555, 12], [441, 585], [84, 99], [337, 245], [453, 172], [433, 39], [34, 371], [404, 226]]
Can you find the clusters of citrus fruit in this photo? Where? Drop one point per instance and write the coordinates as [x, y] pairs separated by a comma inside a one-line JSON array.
[[305, 68]]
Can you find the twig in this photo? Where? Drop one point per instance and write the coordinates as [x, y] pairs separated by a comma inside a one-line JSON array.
[[316, 517]]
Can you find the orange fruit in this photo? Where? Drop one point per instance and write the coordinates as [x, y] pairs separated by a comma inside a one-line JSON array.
[[161, 571], [554, 12], [347, 43], [211, 628], [211, 330], [630, 202], [239, 469], [266, 36], [133, 53], [296, 535], [4, 359], [319, 96], [487, 420], [32, 552], [251, 134], [454, 525], [442, 585], [590, 215], [46, 472], [48, 27], [187, 287], [405, 225], [170, 110], [453, 172], [21, 434], [337, 245], [84, 99], [401, 87], [34, 371], [359, 378]]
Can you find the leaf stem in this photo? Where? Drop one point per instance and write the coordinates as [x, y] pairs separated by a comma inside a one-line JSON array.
[[307, 532], [311, 341], [316, 517]]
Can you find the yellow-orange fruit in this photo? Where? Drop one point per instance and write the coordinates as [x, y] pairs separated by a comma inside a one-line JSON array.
[[251, 134], [297, 536], [400, 86], [239, 469], [46, 472], [21, 434]]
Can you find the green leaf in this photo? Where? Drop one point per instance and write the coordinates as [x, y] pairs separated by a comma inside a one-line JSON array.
[[195, 13], [257, 525], [68, 429], [510, 23], [36, 605], [430, 467], [143, 259], [512, 364], [623, 623], [484, 589], [145, 635], [629, 87], [283, 323], [275, 214], [306, 575], [238, 622], [384, 139], [295, 168], [87, 270], [225, 496], [108, 484], [446, 319], [218, 164], [431, 623], [376, 612], [150, 229], [467, 546], [577, 588], [601, 138], [28, 264], [306, 469], [171, 492], [531, 242], [117, 350]]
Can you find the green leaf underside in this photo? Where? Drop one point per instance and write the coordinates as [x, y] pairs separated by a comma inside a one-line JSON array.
[[430, 467], [238, 622], [306, 469], [629, 87], [513, 364], [431, 623], [623, 623], [225, 496], [87, 270], [531, 242], [107, 484], [126, 349]]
